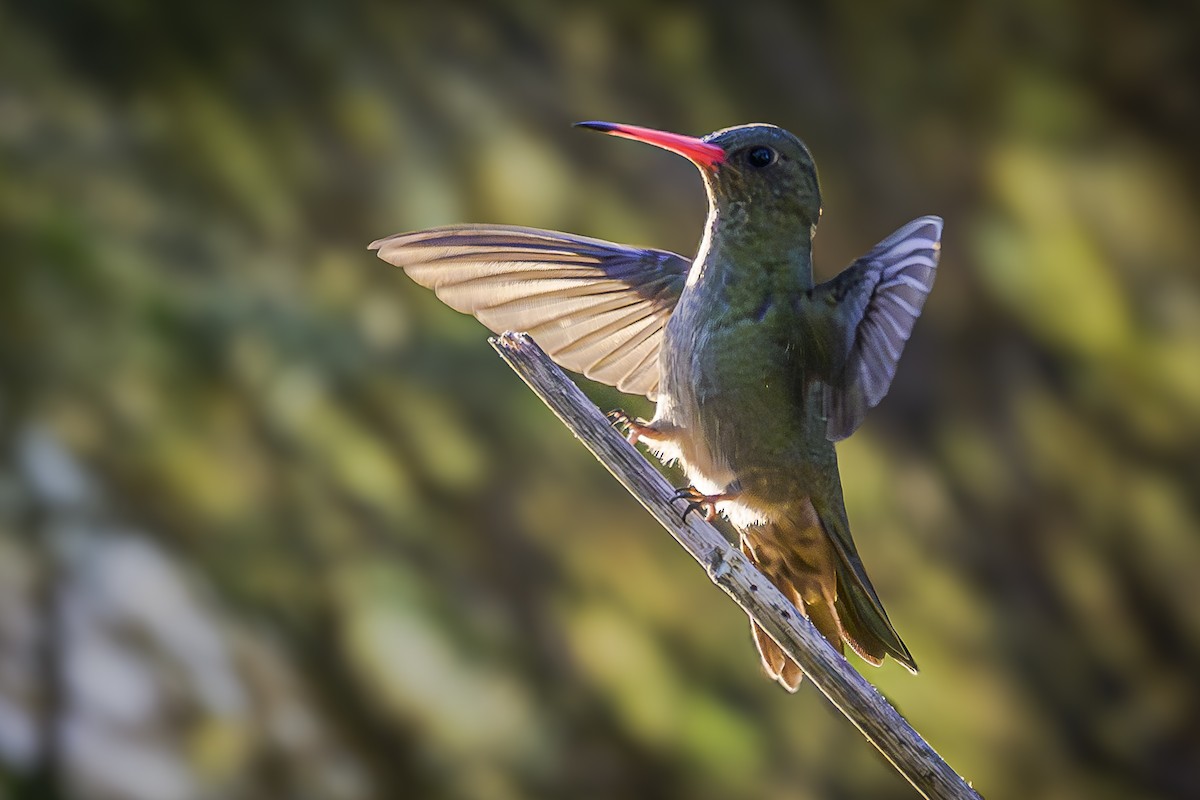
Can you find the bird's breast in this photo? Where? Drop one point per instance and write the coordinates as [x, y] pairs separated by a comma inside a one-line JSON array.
[[733, 384]]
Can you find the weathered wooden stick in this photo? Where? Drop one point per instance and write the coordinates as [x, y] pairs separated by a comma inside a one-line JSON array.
[[853, 695]]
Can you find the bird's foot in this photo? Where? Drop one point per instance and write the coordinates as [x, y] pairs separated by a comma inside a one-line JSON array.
[[635, 429], [698, 501]]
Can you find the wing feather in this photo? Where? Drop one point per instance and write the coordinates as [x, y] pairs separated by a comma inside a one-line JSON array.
[[875, 302], [595, 307]]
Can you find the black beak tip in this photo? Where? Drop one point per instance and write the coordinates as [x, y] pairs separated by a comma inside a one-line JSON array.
[[596, 126]]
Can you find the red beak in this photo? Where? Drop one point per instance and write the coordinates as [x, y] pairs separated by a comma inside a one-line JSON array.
[[697, 151]]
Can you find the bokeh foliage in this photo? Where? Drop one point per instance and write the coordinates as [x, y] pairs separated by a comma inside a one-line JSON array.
[[455, 595]]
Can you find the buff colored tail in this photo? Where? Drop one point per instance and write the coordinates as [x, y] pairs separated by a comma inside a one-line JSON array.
[[810, 558]]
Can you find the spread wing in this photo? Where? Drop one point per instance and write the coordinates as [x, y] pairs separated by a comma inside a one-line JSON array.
[[594, 306], [874, 303]]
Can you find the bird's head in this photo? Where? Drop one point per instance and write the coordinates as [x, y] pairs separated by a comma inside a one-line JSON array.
[[752, 171]]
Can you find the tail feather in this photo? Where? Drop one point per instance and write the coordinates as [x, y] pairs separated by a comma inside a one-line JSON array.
[[827, 584], [777, 665], [868, 630], [858, 636]]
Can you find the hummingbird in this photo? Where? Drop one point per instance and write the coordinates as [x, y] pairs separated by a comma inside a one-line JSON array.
[[756, 371]]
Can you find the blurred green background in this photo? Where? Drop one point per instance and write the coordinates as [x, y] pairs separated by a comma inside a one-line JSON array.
[[276, 523]]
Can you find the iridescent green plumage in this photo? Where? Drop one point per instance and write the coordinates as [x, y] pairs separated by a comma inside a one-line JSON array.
[[756, 371]]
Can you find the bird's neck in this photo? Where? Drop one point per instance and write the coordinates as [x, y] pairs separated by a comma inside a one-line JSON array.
[[753, 260]]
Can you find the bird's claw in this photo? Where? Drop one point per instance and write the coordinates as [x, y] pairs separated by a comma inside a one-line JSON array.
[[618, 417], [698, 501], [634, 428]]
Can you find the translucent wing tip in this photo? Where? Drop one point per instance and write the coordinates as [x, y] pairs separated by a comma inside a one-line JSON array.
[[596, 307], [891, 284]]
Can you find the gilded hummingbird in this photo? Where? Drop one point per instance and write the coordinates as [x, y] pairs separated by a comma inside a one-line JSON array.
[[756, 371]]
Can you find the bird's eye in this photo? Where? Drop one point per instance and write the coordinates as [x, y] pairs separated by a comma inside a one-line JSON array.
[[760, 157]]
